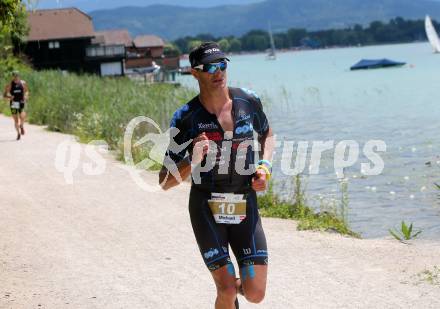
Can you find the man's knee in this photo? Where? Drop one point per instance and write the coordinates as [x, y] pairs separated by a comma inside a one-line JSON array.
[[227, 291], [254, 295]]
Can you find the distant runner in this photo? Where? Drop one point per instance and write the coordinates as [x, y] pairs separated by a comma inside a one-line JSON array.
[[219, 130], [17, 93]]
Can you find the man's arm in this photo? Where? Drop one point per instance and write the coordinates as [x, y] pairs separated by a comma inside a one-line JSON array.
[[267, 145], [26, 91], [267, 142], [167, 179], [6, 93], [200, 149]]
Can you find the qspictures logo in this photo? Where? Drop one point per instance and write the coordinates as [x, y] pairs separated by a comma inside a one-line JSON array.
[[164, 150]]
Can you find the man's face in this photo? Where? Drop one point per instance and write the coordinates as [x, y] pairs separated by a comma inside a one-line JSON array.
[[16, 78], [209, 80]]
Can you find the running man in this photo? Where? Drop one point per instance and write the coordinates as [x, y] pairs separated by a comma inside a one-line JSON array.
[[17, 93], [222, 129]]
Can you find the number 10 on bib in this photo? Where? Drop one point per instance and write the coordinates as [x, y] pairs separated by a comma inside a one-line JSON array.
[[228, 212]]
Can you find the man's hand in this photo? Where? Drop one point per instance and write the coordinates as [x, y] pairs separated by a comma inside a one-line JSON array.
[[200, 149], [259, 181]]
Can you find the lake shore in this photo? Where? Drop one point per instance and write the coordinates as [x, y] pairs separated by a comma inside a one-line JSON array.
[[103, 242]]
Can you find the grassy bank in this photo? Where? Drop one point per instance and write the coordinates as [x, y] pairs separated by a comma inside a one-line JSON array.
[[330, 218]]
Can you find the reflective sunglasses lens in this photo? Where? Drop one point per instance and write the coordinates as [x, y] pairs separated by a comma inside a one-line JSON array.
[[213, 67], [223, 65]]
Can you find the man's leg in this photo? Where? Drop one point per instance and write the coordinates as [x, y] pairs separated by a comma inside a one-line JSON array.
[[253, 282], [16, 124], [225, 282], [22, 120], [248, 242], [212, 239]]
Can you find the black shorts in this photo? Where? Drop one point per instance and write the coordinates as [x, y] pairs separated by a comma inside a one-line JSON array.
[[246, 239], [15, 111]]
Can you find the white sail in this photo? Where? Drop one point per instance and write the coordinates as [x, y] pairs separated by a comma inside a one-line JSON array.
[[272, 54], [432, 34]]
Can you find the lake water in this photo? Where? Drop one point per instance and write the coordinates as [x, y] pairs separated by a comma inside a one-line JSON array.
[[313, 96]]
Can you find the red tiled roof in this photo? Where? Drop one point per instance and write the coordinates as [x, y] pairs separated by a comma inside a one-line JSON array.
[[59, 24], [148, 41], [114, 37]]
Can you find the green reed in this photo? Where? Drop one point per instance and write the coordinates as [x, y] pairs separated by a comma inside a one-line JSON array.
[[332, 217]]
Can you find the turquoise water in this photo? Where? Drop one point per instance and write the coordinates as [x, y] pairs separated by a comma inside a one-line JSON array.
[[312, 95]]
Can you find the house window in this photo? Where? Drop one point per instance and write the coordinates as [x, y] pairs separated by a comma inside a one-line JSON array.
[[54, 44]]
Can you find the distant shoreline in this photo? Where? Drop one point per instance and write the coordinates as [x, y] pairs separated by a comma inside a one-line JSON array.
[[288, 50]]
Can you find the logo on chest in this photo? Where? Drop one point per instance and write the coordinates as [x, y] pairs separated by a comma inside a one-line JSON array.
[[244, 129], [242, 116], [208, 126]]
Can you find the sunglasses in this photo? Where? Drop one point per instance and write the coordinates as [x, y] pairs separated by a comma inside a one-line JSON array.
[[211, 68]]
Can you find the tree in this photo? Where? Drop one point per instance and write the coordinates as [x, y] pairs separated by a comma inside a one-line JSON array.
[[13, 17], [13, 25], [295, 36], [182, 44], [13, 28], [224, 45], [281, 40], [255, 40], [7, 12], [193, 44], [235, 45], [171, 50]]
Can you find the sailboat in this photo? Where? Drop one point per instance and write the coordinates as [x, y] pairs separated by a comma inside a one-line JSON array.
[[271, 55], [432, 35]]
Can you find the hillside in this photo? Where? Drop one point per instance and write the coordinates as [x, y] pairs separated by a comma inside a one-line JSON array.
[[172, 22], [87, 5]]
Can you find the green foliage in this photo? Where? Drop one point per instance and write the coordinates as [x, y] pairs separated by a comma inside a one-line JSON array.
[[193, 44], [10, 64], [295, 36], [8, 9], [171, 50], [328, 219], [224, 45], [437, 185], [13, 26], [255, 40], [235, 45], [405, 233]]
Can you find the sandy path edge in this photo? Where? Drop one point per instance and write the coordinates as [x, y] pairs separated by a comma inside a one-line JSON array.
[[102, 242]]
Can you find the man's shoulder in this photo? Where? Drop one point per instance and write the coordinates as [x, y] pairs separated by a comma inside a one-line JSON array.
[[244, 93], [21, 82], [184, 111]]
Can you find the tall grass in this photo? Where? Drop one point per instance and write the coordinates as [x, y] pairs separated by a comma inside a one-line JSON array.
[[330, 217], [97, 108]]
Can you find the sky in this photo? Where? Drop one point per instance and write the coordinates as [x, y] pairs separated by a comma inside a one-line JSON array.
[[91, 5]]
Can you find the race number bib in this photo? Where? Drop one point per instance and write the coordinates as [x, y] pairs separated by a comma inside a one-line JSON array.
[[15, 105], [227, 208]]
